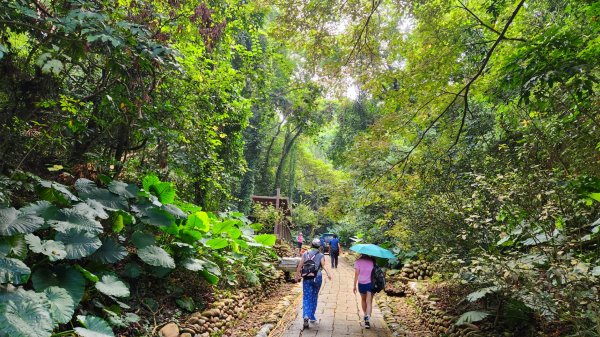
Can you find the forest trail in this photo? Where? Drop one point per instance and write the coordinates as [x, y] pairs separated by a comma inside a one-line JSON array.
[[338, 310]]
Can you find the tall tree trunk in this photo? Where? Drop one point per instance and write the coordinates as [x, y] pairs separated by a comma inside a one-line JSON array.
[[286, 149]]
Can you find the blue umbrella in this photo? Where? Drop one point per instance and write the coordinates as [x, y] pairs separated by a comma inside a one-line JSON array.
[[373, 250]]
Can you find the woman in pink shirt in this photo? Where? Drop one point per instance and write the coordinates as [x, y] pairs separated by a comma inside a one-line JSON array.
[[362, 281]]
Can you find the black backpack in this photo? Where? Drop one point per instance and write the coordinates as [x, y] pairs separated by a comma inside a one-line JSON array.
[[377, 279], [309, 269]]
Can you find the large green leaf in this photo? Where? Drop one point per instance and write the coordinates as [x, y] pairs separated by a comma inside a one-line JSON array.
[[266, 239], [199, 220], [110, 251], [87, 274], [148, 181], [123, 189], [79, 244], [210, 277], [111, 285], [224, 226], [158, 217], [93, 327], [132, 270], [63, 276], [217, 243], [53, 191], [25, 318], [164, 191], [156, 256], [13, 222], [194, 264], [142, 239], [481, 293], [71, 219], [41, 208], [13, 271], [85, 186], [174, 211], [55, 250], [88, 190], [91, 208], [13, 244], [62, 306], [4, 247], [471, 316]]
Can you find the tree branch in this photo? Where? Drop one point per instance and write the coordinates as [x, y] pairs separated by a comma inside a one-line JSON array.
[[375, 5], [464, 90], [486, 25]]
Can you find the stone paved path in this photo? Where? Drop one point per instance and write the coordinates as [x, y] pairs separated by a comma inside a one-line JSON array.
[[338, 311]]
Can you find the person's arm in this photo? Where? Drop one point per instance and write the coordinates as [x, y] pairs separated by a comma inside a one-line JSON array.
[[299, 268], [324, 265], [355, 284], [339, 248]]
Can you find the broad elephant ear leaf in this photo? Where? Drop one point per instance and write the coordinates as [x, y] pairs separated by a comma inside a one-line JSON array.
[[123, 189], [110, 201], [199, 220], [93, 327], [158, 217], [156, 256], [62, 276], [41, 208], [25, 318], [62, 306], [53, 191], [13, 271], [111, 285], [91, 208], [194, 264], [13, 244], [471, 316], [217, 243], [266, 239], [14, 222], [72, 219], [210, 277], [55, 250], [79, 244], [110, 252]]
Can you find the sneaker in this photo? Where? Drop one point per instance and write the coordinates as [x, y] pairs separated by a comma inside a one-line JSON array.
[[312, 321], [367, 323], [305, 326]]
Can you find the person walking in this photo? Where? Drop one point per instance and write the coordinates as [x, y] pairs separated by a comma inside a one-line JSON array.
[[310, 269], [300, 240], [362, 282], [334, 251]]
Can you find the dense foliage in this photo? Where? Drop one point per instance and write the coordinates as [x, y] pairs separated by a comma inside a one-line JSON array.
[[67, 251], [465, 132]]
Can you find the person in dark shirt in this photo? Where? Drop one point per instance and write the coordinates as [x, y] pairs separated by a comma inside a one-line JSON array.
[[334, 251]]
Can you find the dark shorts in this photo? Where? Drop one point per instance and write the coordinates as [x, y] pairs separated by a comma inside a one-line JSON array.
[[364, 288], [299, 244]]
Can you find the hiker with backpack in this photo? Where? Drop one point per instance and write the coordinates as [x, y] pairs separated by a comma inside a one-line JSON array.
[[309, 269], [334, 251], [368, 280]]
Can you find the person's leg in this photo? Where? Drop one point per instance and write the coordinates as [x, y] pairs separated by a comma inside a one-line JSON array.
[[363, 303], [315, 296], [369, 300], [335, 259], [306, 297]]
